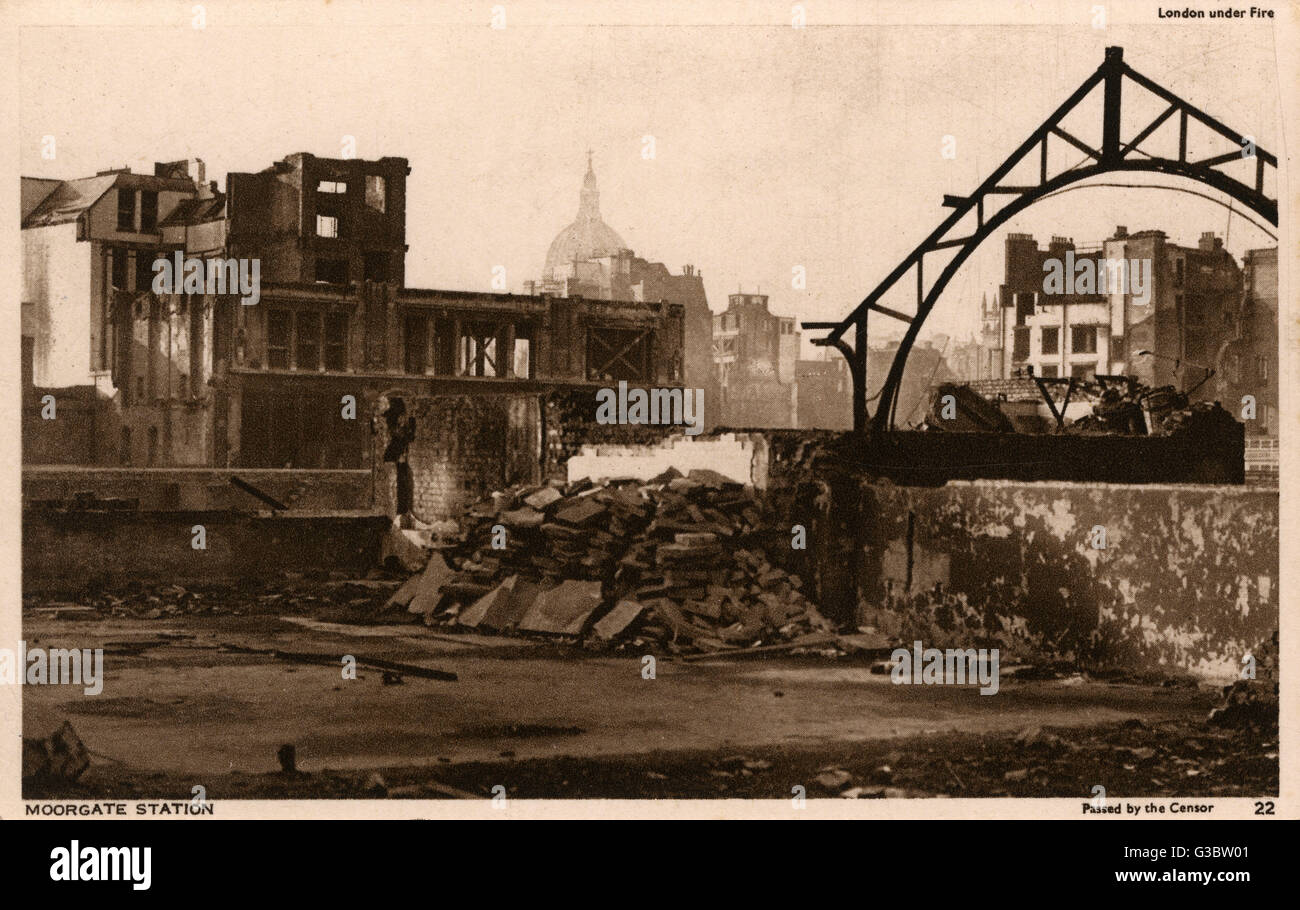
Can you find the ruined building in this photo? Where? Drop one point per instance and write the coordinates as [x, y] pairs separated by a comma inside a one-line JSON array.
[[1247, 359], [201, 378], [91, 332], [825, 393], [1172, 339], [754, 356]]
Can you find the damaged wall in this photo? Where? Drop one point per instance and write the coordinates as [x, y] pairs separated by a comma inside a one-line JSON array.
[[729, 454], [1187, 579], [465, 446]]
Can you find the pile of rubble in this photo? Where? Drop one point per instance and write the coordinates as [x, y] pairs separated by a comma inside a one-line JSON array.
[[1253, 702], [679, 562]]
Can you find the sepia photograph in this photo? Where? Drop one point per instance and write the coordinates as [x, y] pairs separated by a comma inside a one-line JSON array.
[[789, 408]]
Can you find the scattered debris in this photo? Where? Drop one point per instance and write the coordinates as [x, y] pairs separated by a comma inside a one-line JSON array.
[[61, 757], [331, 660], [251, 490], [833, 779], [407, 548], [1248, 703]]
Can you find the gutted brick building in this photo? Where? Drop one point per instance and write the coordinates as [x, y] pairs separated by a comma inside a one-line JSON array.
[[333, 220], [1194, 295], [290, 380], [282, 384]]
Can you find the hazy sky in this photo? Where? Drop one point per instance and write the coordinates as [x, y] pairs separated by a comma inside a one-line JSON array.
[[774, 146]]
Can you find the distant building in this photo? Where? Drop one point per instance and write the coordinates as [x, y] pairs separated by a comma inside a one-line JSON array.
[[1247, 360], [926, 367], [589, 259], [754, 356], [825, 393], [1171, 340], [990, 340]]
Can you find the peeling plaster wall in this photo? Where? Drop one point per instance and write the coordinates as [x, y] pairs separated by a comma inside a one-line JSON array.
[[1188, 578]]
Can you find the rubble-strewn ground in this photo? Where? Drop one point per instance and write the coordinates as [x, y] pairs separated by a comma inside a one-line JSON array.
[[1171, 758], [184, 705]]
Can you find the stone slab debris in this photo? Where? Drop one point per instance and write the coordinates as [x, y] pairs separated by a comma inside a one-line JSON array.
[[564, 609], [684, 564], [428, 594]]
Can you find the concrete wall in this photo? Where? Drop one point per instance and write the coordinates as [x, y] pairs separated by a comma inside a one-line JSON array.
[[68, 552], [85, 428], [202, 488], [1188, 578]]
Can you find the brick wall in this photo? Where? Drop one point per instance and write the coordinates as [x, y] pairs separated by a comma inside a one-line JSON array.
[[1016, 389], [570, 423], [465, 446]]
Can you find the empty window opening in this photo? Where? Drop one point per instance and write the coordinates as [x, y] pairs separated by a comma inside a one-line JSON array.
[[126, 210], [376, 193], [336, 342], [278, 330]]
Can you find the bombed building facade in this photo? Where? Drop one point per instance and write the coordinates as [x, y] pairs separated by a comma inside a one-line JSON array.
[[1168, 333], [754, 356], [209, 377], [1247, 359]]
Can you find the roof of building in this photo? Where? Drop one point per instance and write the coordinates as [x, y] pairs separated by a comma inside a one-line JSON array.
[[587, 237], [197, 210], [72, 197], [69, 199]]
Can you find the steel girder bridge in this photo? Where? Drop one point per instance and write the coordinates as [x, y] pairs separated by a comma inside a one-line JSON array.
[[1112, 155]]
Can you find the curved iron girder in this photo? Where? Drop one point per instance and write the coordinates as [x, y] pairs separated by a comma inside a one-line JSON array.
[[1257, 202]]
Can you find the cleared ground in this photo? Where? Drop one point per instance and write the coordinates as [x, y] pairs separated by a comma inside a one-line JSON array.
[[546, 720]]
